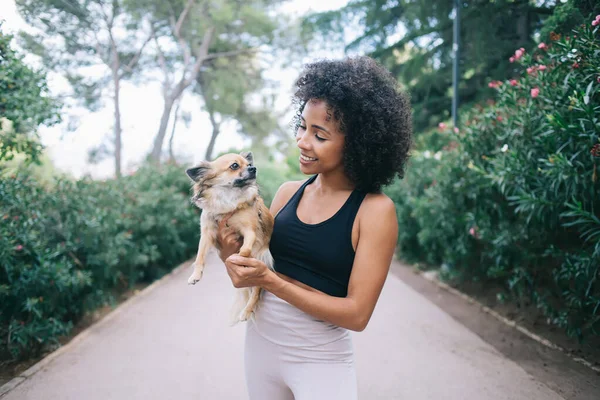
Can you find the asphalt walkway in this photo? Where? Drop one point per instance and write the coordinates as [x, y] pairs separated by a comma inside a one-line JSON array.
[[173, 342]]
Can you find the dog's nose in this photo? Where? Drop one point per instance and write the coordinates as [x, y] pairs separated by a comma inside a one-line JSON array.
[[252, 169]]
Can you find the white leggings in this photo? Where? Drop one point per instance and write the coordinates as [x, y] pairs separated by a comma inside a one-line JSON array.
[[291, 355]]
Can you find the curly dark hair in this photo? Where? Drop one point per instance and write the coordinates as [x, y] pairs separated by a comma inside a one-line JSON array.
[[372, 112]]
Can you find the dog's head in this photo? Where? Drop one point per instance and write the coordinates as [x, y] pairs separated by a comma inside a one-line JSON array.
[[230, 178]]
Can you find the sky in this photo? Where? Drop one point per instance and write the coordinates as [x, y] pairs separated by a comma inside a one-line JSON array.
[[141, 109]]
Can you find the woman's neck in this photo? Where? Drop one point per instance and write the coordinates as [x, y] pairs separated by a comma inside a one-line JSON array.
[[332, 182]]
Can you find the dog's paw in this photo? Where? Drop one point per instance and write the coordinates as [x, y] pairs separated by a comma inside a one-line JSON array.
[[195, 278], [245, 252], [245, 315]]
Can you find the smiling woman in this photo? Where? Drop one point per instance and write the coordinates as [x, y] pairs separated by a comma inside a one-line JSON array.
[[333, 237]]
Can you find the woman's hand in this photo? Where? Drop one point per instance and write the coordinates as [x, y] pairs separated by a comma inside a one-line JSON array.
[[247, 272], [229, 242]]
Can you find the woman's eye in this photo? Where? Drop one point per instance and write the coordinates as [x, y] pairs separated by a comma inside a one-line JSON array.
[[319, 138], [234, 166], [302, 127]]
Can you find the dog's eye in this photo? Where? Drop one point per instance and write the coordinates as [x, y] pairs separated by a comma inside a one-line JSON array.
[[234, 166]]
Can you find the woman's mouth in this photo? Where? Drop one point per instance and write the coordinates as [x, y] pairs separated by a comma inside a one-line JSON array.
[[306, 160]]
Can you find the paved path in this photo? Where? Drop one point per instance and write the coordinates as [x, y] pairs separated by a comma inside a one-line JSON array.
[[173, 342]]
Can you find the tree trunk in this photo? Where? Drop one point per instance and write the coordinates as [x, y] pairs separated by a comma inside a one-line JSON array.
[[213, 138], [162, 130], [117, 86], [523, 25], [175, 117], [170, 99]]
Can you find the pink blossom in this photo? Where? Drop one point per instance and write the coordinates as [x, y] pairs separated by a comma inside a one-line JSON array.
[[19, 247], [442, 125], [530, 70], [512, 59], [519, 53], [513, 82], [542, 46], [473, 232], [456, 129], [595, 22], [535, 92], [541, 67]]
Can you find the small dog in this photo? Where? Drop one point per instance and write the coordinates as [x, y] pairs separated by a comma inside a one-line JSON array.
[[226, 187]]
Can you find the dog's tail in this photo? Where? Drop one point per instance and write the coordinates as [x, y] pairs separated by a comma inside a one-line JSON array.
[[243, 295], [267, 258]]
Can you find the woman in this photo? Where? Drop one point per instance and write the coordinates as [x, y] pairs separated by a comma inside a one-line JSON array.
[[334, 234]]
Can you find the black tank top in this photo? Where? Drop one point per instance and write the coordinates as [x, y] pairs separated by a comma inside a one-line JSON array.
[[318, 255]]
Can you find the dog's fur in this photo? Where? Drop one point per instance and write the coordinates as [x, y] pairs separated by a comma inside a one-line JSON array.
[[226, 187]]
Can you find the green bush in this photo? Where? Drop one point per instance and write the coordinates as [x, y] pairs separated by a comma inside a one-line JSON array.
[[65, 249], [515, 197]]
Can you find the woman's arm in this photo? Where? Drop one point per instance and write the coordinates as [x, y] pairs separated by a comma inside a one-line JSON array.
[[378, 233]]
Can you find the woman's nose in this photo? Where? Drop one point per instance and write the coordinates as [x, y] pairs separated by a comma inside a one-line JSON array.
[[301, 140]]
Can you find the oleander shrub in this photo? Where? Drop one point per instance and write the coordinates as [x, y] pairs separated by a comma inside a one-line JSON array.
[[70, 246], [513, 198]]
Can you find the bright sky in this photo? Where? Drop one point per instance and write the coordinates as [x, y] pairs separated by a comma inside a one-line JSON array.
[[141, 108]]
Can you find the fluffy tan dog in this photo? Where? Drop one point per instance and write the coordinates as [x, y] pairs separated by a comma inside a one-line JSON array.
[[226, 187]]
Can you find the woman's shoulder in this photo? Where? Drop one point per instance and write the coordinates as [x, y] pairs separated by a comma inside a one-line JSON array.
[[284, 194], [377, 204]]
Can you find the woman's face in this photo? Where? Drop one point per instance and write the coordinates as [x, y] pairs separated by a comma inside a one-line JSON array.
[[320, 142]]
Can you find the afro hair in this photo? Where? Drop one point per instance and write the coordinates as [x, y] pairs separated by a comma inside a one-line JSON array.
[[372, 113]]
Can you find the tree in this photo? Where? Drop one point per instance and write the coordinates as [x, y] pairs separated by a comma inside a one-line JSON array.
[[202, 31], [413, 39], [78, 34], [230, 91], [25, 103]]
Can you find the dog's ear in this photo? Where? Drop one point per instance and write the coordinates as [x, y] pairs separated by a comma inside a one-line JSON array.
[[196, 173], [248, 156]]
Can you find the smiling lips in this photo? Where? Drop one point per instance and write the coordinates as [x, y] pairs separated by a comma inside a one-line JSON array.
[[307, 159]]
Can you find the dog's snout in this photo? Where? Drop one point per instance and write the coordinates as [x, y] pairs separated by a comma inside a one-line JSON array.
[[252, 169]]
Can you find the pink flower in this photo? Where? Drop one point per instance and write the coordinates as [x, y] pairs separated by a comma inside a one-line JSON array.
[[535, 92], [519, 53], [19, 247], [541, 67], [442, 125], [473, 232], [512, 59], [542, 46], [513, 82], [595, 22], [456, 129], [530, 70]]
